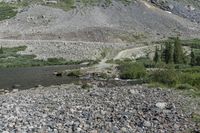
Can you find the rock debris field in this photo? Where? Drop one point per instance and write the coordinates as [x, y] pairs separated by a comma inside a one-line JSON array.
[[68, 50], [69, 108]]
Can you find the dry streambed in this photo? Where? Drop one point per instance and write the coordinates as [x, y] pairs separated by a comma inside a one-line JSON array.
[[69, 108]]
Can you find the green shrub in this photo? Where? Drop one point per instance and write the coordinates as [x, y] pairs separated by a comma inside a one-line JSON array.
[[185, 87], [147, 62], [86, 86], [167, 77], [190, 78], [182, 66], [132, 70], [74, 73], [195, 69]]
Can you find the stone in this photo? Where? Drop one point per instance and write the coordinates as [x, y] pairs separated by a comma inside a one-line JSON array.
[[147, 124], [15, 90], [132, 91], [161, 105], [123, 130], [93, 131]]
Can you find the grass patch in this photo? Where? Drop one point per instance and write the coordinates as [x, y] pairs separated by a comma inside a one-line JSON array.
[[6, 11], [63, 4]]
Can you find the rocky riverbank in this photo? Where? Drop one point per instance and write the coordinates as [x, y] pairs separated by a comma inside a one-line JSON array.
[[70, 108]]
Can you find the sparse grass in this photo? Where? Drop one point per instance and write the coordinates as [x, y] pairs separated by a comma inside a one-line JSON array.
[[64, 4], [129, 37]]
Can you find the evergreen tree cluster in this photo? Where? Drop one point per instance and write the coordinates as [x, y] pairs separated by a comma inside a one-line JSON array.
[[171, 53]]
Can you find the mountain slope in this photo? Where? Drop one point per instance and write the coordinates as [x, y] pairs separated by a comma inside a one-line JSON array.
[[96, 23]]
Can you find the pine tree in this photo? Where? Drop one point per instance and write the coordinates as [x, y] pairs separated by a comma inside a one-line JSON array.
[[157, 55], [162, 53], [198, 61], [169, 53], [193, 59], [178, 52], [1, 50]]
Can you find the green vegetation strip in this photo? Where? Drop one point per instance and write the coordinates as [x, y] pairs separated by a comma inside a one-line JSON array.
[[6, 11], [171, 67], [10, 58]]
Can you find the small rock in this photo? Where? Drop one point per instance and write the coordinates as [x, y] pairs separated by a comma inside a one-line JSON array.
[[93, 131], [15, 90], [123, 129], [132, 91], [161, 105], [147, 124], [5, 132]]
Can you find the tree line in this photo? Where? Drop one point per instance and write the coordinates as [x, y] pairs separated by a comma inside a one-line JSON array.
[[173, 53]]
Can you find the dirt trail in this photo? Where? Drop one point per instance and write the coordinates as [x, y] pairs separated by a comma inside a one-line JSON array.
[[134, 52]]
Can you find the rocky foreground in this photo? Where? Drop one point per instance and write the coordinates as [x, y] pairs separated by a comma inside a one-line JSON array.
[[69, 108]]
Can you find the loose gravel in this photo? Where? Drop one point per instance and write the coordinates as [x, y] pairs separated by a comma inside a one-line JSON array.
[[69, 108]]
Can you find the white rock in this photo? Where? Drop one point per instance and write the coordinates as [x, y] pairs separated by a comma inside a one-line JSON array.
[[161, 105], [147, 124], [132, 91]]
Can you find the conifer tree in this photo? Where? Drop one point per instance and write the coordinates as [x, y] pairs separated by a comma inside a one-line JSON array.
[[178, 52], [169, 53], [1, 50], [162, 53], [157, 55], [193, 59]]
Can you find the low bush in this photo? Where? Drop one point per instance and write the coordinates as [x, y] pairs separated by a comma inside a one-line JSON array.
[[74, 73], [132, 70], [190, 78], [147, 62], [167, 77]]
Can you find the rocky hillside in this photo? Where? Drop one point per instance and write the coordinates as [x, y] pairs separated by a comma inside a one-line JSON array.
[[116, 20]]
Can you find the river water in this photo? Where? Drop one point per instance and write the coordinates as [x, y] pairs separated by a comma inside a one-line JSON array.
[[24, 78]]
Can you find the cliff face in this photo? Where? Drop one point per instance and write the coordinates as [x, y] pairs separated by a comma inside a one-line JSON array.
[[186, 9]]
